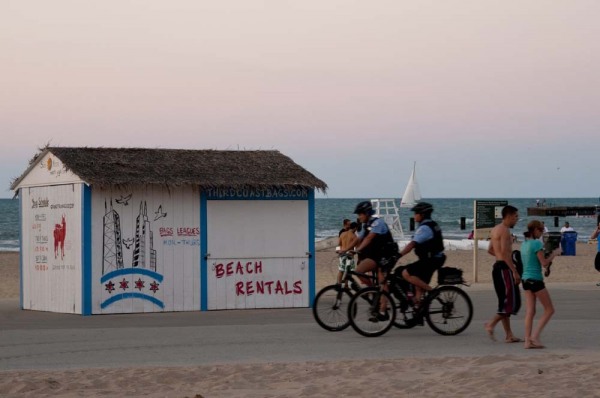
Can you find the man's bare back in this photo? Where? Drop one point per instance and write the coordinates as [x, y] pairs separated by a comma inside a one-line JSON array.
[[348, 240]]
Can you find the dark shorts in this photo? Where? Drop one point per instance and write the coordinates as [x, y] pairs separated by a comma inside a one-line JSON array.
[[424, 269], [509, 296], [533, 285], [597, 262], [387, 263], [384, 263]]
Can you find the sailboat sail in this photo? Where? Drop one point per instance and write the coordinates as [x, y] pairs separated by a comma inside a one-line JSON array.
[[412, 194]]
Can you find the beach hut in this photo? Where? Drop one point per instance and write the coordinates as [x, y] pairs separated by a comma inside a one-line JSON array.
[[124, 230]]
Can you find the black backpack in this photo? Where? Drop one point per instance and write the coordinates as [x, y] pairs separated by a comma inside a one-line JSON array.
[[516, 259]]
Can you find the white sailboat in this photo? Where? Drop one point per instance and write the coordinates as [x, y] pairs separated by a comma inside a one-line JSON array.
[[412, 193], [388, 211]]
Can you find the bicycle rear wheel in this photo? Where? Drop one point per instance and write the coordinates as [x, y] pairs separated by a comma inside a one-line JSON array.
[[363, 312], [449, 310], [330, 308]]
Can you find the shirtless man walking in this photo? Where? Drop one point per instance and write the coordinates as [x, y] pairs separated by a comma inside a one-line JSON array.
[[504, 274]]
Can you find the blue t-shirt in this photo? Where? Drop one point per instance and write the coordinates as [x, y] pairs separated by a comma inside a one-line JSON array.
[[378, 226], [532, 268]]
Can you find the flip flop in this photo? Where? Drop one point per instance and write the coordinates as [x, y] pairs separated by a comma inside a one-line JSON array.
[[533, 346], [513, 340]]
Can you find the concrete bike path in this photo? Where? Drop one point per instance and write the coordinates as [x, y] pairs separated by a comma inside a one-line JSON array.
[[38, 340]]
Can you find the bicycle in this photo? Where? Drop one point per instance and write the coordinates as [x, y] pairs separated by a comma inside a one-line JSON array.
[[330, 305], [447, 309]]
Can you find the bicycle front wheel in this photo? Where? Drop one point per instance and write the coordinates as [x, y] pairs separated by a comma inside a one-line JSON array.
[[448, 310], [330, 308], [364, 312]]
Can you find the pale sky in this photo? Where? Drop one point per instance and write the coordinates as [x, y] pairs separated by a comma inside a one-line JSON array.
[[490, 98]]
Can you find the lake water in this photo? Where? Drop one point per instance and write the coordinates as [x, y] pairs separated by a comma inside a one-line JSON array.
[[329, 214]]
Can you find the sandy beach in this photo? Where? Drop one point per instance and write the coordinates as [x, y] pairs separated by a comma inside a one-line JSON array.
[[546, 375], [579, 268], [542, 373], [9, 275]]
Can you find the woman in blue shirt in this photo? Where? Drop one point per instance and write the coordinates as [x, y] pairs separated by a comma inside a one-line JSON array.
[[532, 255], [596, 235]]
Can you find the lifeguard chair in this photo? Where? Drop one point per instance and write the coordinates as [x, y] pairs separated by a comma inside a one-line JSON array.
[[387, 210]]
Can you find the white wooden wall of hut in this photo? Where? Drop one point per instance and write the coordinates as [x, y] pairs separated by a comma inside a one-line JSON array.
[[51, 243], [49, 171], [257, 254], [146, 250]]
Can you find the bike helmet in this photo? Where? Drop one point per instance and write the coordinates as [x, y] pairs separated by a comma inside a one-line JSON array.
[[423, 208], [364, 208]]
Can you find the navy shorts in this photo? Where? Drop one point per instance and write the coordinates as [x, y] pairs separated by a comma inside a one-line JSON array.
[[533, 285], [424, 269], [509, 297]]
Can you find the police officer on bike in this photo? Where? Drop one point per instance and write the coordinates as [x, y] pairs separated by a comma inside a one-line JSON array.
[[376, 250], [428, 244]]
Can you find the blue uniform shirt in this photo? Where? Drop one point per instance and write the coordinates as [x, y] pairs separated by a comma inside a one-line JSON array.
[[423, 234], [378, 226]]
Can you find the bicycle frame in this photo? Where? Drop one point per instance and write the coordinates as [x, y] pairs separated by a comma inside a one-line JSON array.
[[348, 276], [437, 307]]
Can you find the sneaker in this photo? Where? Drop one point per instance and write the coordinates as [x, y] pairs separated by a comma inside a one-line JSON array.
[[598, 284], [418, 305], [379, 317], [419, 320]]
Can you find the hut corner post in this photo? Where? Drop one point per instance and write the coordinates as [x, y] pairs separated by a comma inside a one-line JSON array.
[[203, 251], [20, 193], [475, 242], [86, 250], [311, 248]]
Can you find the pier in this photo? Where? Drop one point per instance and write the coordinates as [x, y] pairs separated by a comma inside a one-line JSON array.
[[563, 211]]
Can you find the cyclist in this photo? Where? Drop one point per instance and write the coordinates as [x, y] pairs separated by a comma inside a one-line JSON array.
[[376, 249], [428, 244]]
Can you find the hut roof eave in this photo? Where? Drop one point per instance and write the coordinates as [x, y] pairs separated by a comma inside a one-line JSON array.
[[127, 167]]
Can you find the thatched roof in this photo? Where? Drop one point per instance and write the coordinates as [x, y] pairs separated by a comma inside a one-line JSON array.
[[125, 167]]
